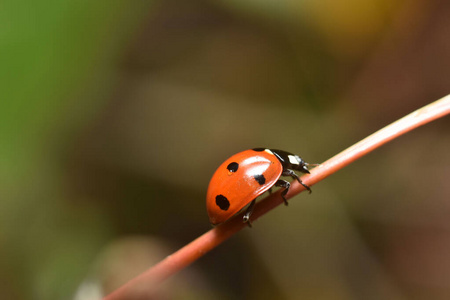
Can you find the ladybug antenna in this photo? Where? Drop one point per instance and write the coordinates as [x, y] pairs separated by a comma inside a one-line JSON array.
[[313, 165], [305, 165]]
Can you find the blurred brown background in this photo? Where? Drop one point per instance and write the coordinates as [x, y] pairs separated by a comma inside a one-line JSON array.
[[114, 115]]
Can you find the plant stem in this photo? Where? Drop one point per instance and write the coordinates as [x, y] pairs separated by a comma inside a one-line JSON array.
[[144, 285]]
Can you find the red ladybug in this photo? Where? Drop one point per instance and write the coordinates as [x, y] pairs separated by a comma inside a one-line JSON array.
[[245, 176]]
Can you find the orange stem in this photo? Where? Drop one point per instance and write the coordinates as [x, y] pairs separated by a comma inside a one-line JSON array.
[[144, 285]]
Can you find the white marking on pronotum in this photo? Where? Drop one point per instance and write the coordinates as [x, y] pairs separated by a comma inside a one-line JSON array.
[[293, 160], [268, 151]]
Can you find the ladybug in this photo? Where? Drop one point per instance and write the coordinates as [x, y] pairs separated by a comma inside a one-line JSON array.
[[245, 176]]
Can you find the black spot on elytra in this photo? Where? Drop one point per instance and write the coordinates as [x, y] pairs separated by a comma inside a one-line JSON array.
[[233, 167], [222, 202], [259, 149], [260, 179]]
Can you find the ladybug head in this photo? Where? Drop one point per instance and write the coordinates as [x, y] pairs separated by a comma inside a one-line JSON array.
[[297, 163]]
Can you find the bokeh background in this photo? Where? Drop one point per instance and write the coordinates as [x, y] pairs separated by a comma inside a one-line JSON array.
[[114, 115]]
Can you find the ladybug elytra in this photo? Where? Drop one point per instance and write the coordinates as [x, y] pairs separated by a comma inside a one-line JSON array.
[[245, 176]]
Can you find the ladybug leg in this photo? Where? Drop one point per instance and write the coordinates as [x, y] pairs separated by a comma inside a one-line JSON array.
[[248, 213], [286, 185], [288, 172]]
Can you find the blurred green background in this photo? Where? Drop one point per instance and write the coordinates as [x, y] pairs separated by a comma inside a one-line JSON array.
[[114, 115]]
